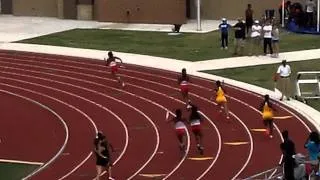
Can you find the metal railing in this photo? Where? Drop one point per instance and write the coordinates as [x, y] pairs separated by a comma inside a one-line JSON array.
[[272, 174], [309, 79]]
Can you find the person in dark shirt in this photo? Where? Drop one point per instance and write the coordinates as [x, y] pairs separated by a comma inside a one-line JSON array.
[[103, 158], [288, 150], [240, 35], [249, 18], [224, 29]]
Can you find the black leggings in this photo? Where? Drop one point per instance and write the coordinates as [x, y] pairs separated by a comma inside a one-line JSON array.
[[224, 40], [267, 42], [269, 123]]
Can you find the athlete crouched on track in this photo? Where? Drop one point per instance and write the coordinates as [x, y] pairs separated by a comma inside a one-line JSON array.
[[267, 115], [112, 63], [103, 160], [180, 128], [195, 122]]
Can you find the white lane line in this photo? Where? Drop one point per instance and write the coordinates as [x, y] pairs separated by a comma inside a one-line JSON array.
[[206, 89], [114, 89], [219, 135], [20, 162], [62, 122], [92, 122], [139, 111]]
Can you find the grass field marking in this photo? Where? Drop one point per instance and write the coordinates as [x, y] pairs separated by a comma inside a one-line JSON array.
[[20, 162]]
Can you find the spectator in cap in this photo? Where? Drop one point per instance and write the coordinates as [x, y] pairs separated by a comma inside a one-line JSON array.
[[224, 29], [255, 38]]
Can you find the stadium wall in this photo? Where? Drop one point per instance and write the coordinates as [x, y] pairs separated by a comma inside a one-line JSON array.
[[141, 11]]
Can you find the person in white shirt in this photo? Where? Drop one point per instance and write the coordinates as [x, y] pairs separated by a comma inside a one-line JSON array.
[[255, 37], [283, 74], [267, 37], [310, 6]]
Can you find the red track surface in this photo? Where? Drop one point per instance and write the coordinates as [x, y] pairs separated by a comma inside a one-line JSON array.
[[83, 93]]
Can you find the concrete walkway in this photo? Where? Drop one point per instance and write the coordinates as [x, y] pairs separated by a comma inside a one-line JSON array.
[[16, 28]]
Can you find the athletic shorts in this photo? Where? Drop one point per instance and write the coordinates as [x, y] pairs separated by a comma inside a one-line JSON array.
[[184, 88], [180, 132], [196, 129], [114, 69], [221, 99]]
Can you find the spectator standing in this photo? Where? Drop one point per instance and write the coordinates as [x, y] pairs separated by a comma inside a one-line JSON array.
[[224, 29], [312, 145], [267, 37], [255, 38], [284, 72], [240, 35], [249, 18], [288, 150], [275, 40], [287, 7], [310, 6]]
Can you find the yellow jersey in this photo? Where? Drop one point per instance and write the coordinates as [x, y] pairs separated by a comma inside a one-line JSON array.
[[220, 92], [267, 111]]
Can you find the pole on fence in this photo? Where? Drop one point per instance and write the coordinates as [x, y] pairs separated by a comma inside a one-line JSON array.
[[198, 15]]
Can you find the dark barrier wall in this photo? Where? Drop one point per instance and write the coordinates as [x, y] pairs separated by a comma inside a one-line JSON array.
[[6, 6], [70, 9], [141, 11]]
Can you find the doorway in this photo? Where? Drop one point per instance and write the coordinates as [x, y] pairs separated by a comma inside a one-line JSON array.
[[6, 6]]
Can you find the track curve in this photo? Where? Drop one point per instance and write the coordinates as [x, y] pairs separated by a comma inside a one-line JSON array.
[[151, 149]]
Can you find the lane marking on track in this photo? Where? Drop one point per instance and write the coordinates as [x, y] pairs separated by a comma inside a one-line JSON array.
[[219, 136], [236, 143], [152, 175], [62, 148], [259, 130], [200, 158], [196, 85], [282, 117], [20, 162]]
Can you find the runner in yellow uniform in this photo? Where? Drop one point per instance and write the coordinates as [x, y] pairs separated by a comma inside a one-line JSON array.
[[221, 98], [267, 115]]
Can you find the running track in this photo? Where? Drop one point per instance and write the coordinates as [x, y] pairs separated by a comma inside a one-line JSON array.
[[63, 101]]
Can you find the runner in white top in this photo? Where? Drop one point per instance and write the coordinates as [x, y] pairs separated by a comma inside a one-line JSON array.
[[180, 128], [111, 61]]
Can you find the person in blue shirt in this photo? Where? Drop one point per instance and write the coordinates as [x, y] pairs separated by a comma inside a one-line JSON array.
[[312, 145], [224, 29]]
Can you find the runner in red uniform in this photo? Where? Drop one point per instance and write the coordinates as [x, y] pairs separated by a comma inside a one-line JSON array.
[[183, 81], [195, 121], [180, 128], [113, 64]]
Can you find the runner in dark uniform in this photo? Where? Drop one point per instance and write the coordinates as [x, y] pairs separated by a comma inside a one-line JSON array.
[[103, 160]]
